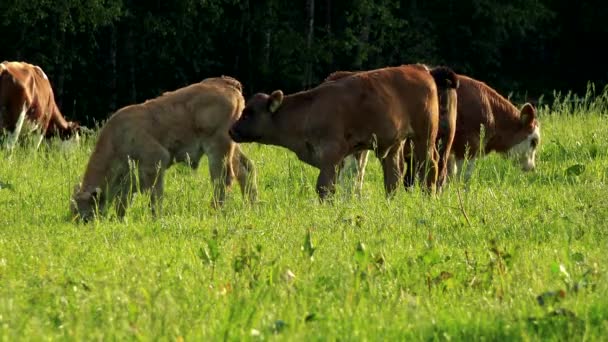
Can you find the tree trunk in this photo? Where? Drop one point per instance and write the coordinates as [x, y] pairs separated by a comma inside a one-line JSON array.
[[267, 37], [130, 54], [310, 19], [250, 62], [113, 75], [60, 70], [328, 16], [363, 55]]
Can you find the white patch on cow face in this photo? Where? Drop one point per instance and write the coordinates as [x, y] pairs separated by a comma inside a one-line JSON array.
[[525, 151]]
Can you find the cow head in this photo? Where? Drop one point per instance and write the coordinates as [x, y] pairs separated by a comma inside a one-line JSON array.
[[526, 138], [85, 204], [256, 121]]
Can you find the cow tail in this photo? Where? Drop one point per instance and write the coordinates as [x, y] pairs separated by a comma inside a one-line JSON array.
[[447, 84]]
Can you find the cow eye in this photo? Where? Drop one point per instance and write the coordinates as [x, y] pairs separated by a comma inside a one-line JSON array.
[[533, 142]]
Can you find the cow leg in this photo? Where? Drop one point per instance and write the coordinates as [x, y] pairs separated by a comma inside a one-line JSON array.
[[154, 179], [391, 170], [333, 154], [425, 162], [361, 164], [326, 181], [151, 176], [245, 174], [408, 165], [122, 201], [39, 141], [220, 168], [14, 136]]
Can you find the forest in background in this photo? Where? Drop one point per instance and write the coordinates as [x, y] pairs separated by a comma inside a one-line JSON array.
[[103, 54]]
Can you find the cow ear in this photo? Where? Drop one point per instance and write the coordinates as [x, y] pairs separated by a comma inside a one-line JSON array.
[[275, 100], [527, 114]]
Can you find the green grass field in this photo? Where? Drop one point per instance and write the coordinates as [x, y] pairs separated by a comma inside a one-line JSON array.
[[528, 262]]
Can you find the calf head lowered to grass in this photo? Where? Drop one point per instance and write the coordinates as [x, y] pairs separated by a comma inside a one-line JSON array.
[[139, 142], [376, 109]]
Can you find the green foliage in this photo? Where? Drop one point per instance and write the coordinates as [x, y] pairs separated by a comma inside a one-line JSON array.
[[104, 54], [530, 265]]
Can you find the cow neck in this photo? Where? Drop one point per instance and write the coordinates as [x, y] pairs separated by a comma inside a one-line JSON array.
[[99, 164], [291, 121], [506, 121]]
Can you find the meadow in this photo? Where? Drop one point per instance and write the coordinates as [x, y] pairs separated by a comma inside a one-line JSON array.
[[518, 256]]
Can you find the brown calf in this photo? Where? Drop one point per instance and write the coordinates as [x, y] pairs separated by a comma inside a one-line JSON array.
[[376, 109], [179, 126], [447, 83], [507, 129], [26, 96]]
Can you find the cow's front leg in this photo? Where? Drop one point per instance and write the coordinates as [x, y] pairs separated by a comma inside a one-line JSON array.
[[326, 182], [392, 170], [156, 195]]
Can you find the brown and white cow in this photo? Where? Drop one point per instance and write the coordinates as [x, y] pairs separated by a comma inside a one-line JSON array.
[[507, 130], [376, 109], [179, 126], [26, 99]]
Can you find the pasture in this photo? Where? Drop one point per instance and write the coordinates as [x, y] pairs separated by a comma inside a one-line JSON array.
[[519, 256]]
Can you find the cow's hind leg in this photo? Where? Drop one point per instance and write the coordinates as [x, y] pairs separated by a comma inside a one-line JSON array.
[[391, 169], [122, 201], [14, 136], [154, 179], [151, 174], [245, 174], [407, 165], [425, 163]]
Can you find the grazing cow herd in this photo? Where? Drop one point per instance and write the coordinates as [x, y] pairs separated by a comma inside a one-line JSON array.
[[421, 122]]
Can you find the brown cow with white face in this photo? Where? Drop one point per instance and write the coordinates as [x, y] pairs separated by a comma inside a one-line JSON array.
[[179, 126], [507, 130], [376, 109], [26, 98]]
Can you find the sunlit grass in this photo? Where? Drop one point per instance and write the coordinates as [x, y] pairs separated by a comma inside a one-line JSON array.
[[413, 268]]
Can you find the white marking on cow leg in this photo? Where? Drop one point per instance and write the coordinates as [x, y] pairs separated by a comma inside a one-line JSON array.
[[12, 140], [39, 141], [361, 164]]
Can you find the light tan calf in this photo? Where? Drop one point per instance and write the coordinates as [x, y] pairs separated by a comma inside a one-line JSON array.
[[179, 126]]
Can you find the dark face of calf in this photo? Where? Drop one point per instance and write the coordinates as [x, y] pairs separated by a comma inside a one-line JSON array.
[[256, 123], [85, 204]]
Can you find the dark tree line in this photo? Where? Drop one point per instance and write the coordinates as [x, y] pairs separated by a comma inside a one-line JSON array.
[[103, 54]]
